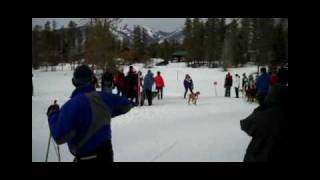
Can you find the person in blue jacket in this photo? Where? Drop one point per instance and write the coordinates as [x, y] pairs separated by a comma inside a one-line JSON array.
[[188, 84], [84, 121], [262, 85], [147, 86]]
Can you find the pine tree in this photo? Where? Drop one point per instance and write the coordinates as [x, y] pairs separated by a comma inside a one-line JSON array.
[[143, 44], [221, 31], [278, 47], [226, 56], [137, 42], [198, 40], [71, 35], [244, 40], [47, 44], [153, 50], [187, 41], [101, 47], [79, 44], [165, 52], [37, 46], [235, 43], [262, 40], [211, 40]]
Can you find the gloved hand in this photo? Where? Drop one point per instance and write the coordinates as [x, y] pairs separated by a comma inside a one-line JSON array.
[[52, 109]]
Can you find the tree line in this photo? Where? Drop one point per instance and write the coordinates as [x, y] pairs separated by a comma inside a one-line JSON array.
[[95, 43], [262, 41]]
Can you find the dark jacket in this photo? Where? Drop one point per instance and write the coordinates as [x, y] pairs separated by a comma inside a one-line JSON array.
[[262, 83], [188, 84], [84, 121], [131, 83], [267, 126], [228, 81], [107, 81]]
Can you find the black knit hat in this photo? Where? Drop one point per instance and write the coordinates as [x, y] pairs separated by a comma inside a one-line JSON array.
[[82, 75]]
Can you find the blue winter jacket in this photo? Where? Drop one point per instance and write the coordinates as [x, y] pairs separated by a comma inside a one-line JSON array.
[[262, 83], [188, 84], [84, 121], [148, 81]]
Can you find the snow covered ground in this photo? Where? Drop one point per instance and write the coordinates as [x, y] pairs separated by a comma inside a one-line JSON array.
[[170, 130]]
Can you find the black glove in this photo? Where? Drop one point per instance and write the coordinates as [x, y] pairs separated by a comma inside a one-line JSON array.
[[52, 109]]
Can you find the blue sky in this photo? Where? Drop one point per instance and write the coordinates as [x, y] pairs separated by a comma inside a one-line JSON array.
[[164, 24]]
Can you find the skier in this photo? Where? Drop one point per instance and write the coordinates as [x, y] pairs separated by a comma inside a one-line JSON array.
[[84, 121], [268, 125], [107, 83], [147, 85], [159, 84], [237, 85], [188, 85], [131, 84], [228, 84], [262, 85]]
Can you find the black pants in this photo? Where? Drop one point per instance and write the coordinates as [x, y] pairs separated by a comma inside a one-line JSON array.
[[149, 96], [160, 93], [185, 92], [261, 98], [227, 94], [103, 153], [133, 95], [119, 92], [237, 92], [143, 96]]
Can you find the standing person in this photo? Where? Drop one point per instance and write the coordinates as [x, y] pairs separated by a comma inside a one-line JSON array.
[[141, 89], [188, 85], [228, 84], [251, 82], [148, 82], [84, 122], [159, 84], [131, 84], [273, 79], [268, 125], [95, 81], [244, 82], [120, 83], [237, 85], [262, 85], [107, 83]]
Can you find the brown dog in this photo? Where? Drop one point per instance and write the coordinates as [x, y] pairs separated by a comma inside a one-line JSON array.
[[193, 97], [250, 94]]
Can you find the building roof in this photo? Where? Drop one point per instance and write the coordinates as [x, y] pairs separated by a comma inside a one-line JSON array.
[[180, 53]]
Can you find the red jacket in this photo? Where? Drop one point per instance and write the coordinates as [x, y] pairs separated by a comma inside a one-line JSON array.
[[159, 81], [273, 80], [119, 81]]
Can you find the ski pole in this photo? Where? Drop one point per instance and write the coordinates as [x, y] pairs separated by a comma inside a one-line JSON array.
[[49, 141], [57, 150], [59, 155]]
